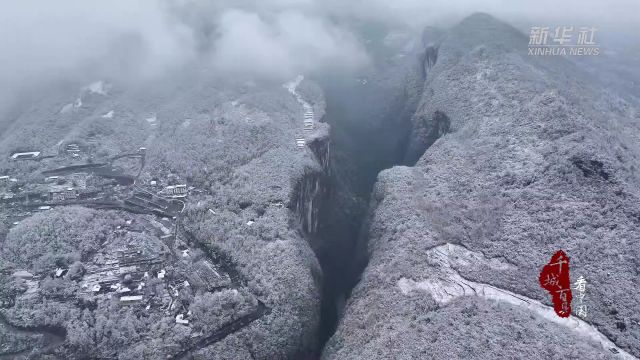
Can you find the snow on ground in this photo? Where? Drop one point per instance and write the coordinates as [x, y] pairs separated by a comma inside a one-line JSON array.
[[152, 120], [74, 105], [96, 88], [65, 109], [293, 85], [445, 284]]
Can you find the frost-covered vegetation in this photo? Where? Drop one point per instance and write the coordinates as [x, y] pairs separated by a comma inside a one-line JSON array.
[[234, 146], [534, 158]]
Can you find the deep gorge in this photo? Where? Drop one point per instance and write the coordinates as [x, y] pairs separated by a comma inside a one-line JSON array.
[[369, 133]]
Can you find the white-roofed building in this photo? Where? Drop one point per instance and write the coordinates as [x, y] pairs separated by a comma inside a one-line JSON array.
[[25, 155]]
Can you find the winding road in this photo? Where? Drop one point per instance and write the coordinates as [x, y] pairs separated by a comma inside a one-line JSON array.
[[224, 331], [53, 336], [446, 284]]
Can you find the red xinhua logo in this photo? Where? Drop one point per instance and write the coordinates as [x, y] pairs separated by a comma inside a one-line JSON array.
[[554, 278]]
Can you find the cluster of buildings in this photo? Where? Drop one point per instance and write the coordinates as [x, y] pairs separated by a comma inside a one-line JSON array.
[[72, 150], [7, 185], [49, 190], [163, 203], [97, 185], [146, 275], [123, 272], [86, 182], [66, 188], [148, 201], [170, 186], [62, 193]]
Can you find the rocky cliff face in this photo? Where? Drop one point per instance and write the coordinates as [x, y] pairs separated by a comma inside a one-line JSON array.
[[191, 216], [312, 190], [515, 157]]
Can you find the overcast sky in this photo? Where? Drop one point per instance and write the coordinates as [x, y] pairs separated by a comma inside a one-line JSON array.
[[273, 38]]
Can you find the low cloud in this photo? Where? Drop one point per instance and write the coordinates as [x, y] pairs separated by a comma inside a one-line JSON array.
[[41, 40], [258, 38], [38, 36], [286, 44], [617, 15]]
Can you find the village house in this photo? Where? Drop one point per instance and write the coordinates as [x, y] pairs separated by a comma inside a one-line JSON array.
[[177, 191], [25, 155]]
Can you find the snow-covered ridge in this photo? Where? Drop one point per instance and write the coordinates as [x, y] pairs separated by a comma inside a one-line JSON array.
[[445, 284]]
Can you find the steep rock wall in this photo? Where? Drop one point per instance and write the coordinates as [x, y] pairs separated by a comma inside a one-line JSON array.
[[524, 156]]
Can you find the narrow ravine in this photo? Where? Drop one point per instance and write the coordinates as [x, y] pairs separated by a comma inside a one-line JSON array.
[[370, 123], [367, 137]]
